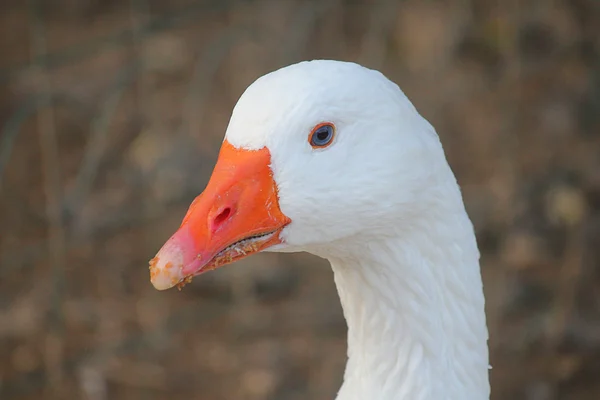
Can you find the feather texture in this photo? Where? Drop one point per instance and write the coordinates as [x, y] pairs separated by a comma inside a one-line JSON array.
[[382, 204]]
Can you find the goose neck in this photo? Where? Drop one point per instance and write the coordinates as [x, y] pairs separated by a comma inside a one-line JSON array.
[[416, 322]]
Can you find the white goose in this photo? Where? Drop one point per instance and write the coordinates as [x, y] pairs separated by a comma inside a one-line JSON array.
[[331, 158]]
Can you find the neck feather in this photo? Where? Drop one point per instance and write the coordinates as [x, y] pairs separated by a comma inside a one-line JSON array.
[[415, 312]]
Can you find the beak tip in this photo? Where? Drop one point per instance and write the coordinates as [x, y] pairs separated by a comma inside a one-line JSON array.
[[164, 276], [166, 269]]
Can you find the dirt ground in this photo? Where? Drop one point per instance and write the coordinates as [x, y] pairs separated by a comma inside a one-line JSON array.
[[111, 116]]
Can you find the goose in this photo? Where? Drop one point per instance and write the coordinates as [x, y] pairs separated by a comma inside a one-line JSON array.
[[331, 158]]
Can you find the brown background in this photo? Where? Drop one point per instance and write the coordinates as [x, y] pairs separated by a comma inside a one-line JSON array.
[[111, 116]]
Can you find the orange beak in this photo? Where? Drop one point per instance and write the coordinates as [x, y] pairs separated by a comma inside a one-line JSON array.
[[237, 214]]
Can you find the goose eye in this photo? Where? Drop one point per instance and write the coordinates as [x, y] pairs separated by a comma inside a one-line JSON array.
[[321, 136]]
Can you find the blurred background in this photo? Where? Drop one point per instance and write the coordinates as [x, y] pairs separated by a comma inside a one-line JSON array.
[[111, 117]]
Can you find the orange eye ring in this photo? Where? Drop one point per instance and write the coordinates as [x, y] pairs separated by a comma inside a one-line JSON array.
[[322, 135]]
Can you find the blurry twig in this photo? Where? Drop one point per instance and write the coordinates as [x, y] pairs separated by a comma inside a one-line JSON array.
[[52, 189], [96, 144], [11, 129], [300, 32], [566, 288], [23, 258], [137, 10], [30, 382], [204, 71], [181, 17], [374, 45]]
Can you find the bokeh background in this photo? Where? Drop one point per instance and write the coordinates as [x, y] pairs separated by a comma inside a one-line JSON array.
[[111, 116]]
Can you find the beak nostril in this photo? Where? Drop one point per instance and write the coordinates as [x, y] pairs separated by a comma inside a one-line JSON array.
[[221, 217]]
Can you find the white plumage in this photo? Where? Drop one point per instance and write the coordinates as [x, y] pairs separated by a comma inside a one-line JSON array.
[[383, 206]]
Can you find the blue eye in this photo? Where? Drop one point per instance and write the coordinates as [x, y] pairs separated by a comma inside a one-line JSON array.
[[322, 135]]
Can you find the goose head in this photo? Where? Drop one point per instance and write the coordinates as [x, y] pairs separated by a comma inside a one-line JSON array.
[[321, 156]]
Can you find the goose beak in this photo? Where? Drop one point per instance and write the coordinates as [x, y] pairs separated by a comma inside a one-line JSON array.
[[237, 215]]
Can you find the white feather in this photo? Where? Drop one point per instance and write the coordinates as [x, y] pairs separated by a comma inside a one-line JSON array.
[[382, 204]]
